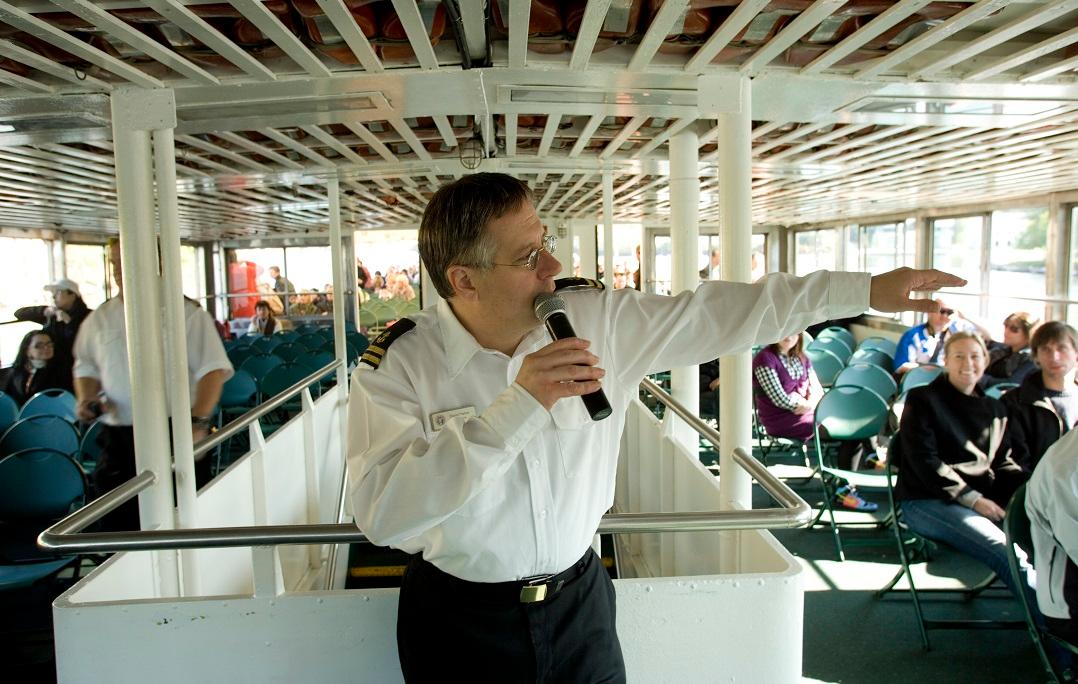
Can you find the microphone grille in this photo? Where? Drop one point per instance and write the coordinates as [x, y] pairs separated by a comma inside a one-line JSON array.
[[548, 304]]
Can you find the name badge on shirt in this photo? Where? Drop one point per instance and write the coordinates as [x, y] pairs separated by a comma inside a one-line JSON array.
[[439, 419]]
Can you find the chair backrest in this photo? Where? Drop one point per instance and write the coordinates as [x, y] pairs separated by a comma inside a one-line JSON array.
[[49, 432], [875, 356], [826, 365], [834, 345], [316, 361], [239, 390], [839, 332], [281, 378], [306, 329], [312, 341], [9, 412], [883, 344], [290, 351], [997, 391], [266, 345], [286, 335], [326, 332], [38, 484], [258, 364], [870, 376], [849, 413], [89, 449], [921, 375], [357, 340], [237, 355], [50, 402]]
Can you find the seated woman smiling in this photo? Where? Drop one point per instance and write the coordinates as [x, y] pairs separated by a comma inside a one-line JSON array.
[[956, 473]]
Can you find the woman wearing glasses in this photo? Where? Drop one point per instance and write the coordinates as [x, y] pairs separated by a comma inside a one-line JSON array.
[[1045, 405], [35, 368], [1010, 360]]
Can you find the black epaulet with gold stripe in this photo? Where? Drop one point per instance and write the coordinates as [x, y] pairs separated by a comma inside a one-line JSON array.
[[571, 284], [377, 349]]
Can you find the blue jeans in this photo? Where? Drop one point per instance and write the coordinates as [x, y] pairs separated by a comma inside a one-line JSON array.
[[972, 534]]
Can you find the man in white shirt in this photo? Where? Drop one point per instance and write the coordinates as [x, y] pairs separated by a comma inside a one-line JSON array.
[[470, 448], [103, 388]]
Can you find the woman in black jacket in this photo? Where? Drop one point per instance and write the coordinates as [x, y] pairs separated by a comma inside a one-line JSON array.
[[1045, 405], [956, 474], [61, 320], [35, 368]]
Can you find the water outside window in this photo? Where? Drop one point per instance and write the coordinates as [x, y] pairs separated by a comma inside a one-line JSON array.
[[815, 251], [1016, 264], [957, 248], [88, 266], [26, 262]]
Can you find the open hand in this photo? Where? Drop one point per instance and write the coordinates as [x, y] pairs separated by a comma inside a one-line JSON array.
[[989, 509], [564, 368], [891, 291]]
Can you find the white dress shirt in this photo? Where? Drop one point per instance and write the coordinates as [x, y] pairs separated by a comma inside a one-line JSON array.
[[1052, 505], [101, 352], [503, 489]]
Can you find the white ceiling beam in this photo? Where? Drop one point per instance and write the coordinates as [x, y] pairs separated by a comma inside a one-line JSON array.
[[190, 22], [588, 33], [519, 16], [412, 21], [586, 135], [511, 134], [32, 59], [220, 152], [1015, 27], [1049, 71], [746, 11], [271, 27], [23, 83], [327, 139], [291, 144], [408, 135], [761, 130], [669, 13], [551, 190], [799, 132], [671, 130], [790, 34], [569, 193], [891, 16], [1022, 56], [446, 129], [348, 29], [624, 134], [121, 30], [372, 140], [551, 128], [473, 21], [839, 131], [966, 17], [260, 150], [45, 31]]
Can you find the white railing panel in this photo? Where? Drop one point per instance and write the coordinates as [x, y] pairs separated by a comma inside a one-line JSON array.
[[329, 462], [286, 494], [226, 502]]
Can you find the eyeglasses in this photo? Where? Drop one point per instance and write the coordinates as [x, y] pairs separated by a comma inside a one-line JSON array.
[[42, 345], [548, 244], [1015, 328]]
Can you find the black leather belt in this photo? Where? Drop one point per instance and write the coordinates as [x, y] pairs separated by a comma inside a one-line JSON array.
[[528, 590]]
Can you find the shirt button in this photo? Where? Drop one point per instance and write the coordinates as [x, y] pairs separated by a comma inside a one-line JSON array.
[[542, 514], [535, 462]]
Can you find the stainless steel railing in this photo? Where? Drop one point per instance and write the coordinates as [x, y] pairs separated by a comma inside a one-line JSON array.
[[66, 536]]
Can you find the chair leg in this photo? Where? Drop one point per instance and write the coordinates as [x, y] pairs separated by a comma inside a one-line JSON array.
[[828, 493]]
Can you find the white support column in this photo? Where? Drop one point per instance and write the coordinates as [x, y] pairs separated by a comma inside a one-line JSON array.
[[608, 229], [333, 192], [175, 341], [134, 114], [59, 258], [735, 235], [584, 231], [684, 241]]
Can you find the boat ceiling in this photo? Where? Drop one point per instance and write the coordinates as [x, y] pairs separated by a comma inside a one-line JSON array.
[[859, 107]]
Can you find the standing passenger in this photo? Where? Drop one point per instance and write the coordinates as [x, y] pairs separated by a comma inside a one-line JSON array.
[[103, 387], [61, 320], [470, 447]]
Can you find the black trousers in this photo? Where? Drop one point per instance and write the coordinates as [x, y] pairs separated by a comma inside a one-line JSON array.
[[116, 465], [449, 629]]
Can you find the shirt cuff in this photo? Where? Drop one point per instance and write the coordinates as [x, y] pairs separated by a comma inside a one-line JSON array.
[[515, 415], [848, 294], [969, 497]]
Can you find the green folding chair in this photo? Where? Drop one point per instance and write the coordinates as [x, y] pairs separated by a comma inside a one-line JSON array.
[[826, 365], [868, 375]]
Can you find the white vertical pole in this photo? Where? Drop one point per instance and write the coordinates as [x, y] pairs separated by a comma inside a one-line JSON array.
[[585, 233], [608, 229], [333, 192], [132, 111], [735, 234], [684, 247], [175, 338]]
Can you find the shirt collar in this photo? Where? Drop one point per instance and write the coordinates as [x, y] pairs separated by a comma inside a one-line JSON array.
[[458, 343]]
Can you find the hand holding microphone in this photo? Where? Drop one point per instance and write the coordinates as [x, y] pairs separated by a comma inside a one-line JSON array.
[[566, 367]]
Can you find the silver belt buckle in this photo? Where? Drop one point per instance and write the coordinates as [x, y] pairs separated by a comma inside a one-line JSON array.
[[534, 589]]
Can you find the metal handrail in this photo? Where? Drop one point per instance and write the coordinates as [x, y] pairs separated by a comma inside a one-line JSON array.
[[238, 425], [66, 536]]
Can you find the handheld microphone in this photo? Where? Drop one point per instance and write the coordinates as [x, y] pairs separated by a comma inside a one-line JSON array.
[[550, 309]]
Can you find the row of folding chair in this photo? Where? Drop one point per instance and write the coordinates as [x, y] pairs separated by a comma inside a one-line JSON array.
[[52, 402]]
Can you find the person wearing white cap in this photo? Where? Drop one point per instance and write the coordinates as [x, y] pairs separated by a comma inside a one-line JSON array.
[[61, 320]]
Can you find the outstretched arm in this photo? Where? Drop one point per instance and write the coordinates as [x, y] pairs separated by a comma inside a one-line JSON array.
[[891, 291]]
